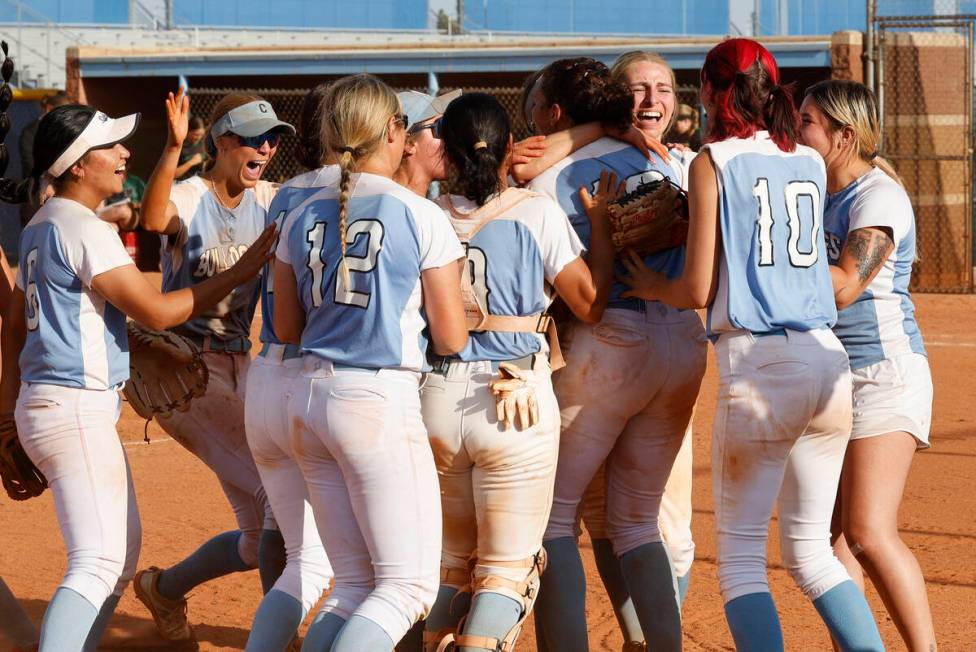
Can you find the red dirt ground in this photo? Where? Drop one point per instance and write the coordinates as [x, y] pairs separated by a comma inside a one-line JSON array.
[[182, 505]]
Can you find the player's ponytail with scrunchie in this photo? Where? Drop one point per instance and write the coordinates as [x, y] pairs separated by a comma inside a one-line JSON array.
[[847, 103], [747, 95], [55, 133], [12, 192], [475, 131], [354, 126]]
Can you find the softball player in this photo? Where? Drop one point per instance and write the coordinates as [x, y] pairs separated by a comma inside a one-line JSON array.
[[269, 433], [66, 320], [632, 386], [207, 222], [784, 405], [357, 263], [870, 231], [496, 482], [423, 155]]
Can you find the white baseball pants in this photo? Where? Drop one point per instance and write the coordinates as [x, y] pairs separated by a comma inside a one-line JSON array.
[[363, 450], [271, 439], [69, 433], [782, 424]]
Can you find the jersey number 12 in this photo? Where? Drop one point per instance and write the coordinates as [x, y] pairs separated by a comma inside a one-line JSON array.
[[793, 193], [351, 289]]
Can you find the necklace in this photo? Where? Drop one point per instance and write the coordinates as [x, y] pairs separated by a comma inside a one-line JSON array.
[[220, 199], [227, 217]]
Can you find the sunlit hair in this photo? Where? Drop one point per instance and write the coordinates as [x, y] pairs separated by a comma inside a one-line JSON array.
[[848, 103], [627, 59], [358, 109], [747, 95]]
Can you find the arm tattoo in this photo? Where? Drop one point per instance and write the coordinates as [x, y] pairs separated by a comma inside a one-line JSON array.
[[869, 247]]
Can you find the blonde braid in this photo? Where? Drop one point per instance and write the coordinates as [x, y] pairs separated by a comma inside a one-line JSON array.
[[346, 163]]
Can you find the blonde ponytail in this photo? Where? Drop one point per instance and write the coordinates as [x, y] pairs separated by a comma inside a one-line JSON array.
[[357, 110]]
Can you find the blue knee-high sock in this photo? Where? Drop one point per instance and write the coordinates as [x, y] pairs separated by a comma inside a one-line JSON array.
[[361, 634], [683, 582], [217, 557], [613, 580], [848, 617], [15, 624], [448, 609], [650, 577], [562, 598], [271, 558], [322, 632], [492, 615], [413, 640], [754, 623], [275, 622], [101, 623], [67, 621]]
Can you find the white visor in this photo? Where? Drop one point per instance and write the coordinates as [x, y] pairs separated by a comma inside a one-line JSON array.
[[101, 131]]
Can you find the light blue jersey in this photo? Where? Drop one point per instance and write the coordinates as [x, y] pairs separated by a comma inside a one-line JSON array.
[[372, 317], [880, 324], [292, 193], [74, 337], [521, 241], [582, 169], [773, 270], [211, 239]]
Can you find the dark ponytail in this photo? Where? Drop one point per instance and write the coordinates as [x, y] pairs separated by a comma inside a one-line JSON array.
[[475, 131], [55, 133], [310, 150], [587, 92], [12, 192]]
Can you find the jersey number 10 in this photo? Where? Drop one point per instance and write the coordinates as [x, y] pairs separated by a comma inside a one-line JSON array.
[[350, 289], [794, 191]]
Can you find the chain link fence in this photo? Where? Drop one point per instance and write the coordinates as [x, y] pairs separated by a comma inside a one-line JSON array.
[[924, 81], [288, 105]]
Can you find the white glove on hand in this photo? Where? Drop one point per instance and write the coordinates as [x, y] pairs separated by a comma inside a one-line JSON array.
[[514, 396]]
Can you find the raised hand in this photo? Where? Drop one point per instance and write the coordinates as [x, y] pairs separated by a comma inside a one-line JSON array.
[[177, 117], [260, 252]]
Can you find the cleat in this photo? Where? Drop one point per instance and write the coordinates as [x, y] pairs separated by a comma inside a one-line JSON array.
[[169, 615]]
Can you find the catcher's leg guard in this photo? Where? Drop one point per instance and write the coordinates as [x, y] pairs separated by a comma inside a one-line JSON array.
[[527, 591], [458, 579]]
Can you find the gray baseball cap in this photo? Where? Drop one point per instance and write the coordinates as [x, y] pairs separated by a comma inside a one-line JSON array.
[[251, 119], [420, 106]]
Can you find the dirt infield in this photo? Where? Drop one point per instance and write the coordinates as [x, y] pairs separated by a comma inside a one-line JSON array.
[[182, 505]]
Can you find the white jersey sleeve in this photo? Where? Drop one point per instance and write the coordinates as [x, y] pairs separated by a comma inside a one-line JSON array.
[[96, 248], [439, 244], [882, 203]]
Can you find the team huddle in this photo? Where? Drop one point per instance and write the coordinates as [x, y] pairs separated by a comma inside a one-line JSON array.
[[447, 391]]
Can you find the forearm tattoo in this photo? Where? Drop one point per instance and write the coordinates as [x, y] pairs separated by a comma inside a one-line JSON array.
[[870, 248]]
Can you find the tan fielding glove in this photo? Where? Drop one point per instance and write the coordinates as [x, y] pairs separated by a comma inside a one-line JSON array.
[[166, 372], [514, 396]]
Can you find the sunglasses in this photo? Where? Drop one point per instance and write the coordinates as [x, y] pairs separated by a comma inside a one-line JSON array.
[[255, 142], [402, 119], [435, 128]]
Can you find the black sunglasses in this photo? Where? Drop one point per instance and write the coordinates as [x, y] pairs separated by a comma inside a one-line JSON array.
[[435, 128], [270, 137], [402, 119]]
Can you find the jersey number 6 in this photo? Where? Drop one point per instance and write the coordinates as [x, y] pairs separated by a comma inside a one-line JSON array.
[[793, 192], [30, 292], [351, 291]]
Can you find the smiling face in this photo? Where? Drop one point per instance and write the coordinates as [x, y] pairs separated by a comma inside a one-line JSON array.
[[653, 90], [817, 131], [240, 163], [102, 171]]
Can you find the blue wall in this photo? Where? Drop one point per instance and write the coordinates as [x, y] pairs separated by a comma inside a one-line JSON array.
[[375, 14], [607, 16], [68, 11]]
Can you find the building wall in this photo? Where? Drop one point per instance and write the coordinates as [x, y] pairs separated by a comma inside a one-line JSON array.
[[608, 16], [367, 14], [67, 11]]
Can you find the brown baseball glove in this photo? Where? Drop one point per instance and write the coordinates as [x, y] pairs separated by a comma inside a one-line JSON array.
[[651, 218], [21, 479], [166, 372]]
